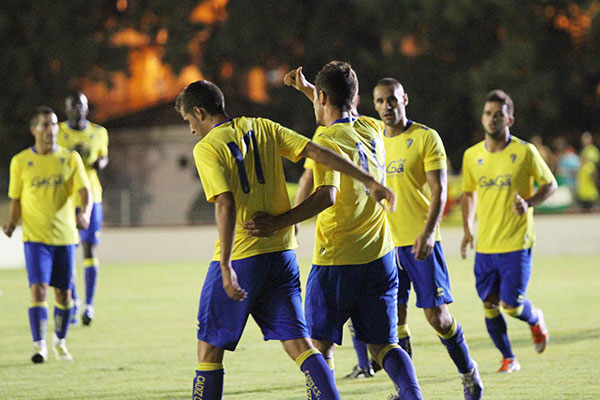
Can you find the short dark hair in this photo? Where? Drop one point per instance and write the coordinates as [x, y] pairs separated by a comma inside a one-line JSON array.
[[501, 97], [338, 81], [389, 82], [41, 110], [203, 94]]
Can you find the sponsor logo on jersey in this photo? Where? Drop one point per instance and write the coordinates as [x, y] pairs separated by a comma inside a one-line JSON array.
[[51, 181], [409, 143], [513, 157], [497, 181], [396, 166]]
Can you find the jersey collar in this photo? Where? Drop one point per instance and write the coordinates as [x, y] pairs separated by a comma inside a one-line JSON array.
[[344, 120], [508, 140], [221, 123]]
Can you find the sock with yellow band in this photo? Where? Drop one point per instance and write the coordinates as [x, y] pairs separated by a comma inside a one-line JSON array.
[[496, 327], [320, 383], [62, 318], [398, 365], [38, 320], [455, 343], [404, 339], [208, 383], [91, 266], [525, 312]]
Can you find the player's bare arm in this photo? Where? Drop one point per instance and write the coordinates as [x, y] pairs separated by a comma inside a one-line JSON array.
[[296, 79], [468, 202], [437, 180], [521, 205], [14, 215], [264, 224], [225, 214], [377, 191], [82, 218]]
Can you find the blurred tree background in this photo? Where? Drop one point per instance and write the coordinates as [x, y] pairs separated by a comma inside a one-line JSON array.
[[448, 55]]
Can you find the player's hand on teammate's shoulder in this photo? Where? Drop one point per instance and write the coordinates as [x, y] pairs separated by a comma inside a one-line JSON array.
[[8, 229], [520, 205], [261, 224], [231, 285], [382, 194], [297, 80]]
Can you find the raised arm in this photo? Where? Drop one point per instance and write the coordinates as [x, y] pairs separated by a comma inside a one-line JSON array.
[[14, 215], [468, 201], [437, 180], [225, 214], [296, 79]]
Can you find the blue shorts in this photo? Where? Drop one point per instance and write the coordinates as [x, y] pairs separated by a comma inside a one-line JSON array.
[[365, 292], [273, 284], [506, 274], [429, 278], [92, 233], [49, 264]]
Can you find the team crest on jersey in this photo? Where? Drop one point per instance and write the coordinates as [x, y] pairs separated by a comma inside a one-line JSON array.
[[30, 163], [62, 160], [409, 143], [480, 161], [513, 157]]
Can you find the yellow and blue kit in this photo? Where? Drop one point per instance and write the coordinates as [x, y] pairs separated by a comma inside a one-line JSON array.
[[92, 144], [44, 184], [409, 156], [243, 156], [504, 239], [353, 244]]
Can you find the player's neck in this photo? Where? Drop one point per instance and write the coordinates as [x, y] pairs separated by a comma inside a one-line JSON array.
[[333, 114], [217, 119], [497, 142], [78, 124], [44, 148], [395, 130]]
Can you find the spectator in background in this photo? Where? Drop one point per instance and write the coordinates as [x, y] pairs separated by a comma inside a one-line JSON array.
[[544, 150], [587, 176], [567, 164]]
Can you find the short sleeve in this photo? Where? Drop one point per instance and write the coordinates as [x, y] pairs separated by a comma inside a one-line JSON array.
[[15, 186], [468, 182], [434, 152], [540, 170], [80, 177], [291, 144], [211, 171], [325, 176]]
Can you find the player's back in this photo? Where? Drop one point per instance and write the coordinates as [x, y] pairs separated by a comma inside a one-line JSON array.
[[354, 230], [243, 156]]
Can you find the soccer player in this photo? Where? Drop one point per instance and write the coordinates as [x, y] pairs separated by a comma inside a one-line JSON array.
[[42, 179], [498, 178], [239, 163], [354, 273], [416, 160], [90, 140]]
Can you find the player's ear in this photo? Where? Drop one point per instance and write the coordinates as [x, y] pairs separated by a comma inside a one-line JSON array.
[[322, 97], [405, 99], [511, 121], [200, 113]]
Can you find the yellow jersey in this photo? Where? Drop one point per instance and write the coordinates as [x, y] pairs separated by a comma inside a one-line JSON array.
[[408, 157], [92, 144], [496, 177], [354, 230], [243, 156], [586, 183], [44, 185]]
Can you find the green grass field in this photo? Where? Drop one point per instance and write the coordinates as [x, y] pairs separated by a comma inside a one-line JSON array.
[[142, 344]]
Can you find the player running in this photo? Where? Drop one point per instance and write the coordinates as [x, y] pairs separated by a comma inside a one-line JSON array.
[[498, 184]]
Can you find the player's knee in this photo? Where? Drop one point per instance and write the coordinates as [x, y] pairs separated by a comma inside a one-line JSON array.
[[39, 292], [63, 296], [208, 353], [439, 318]]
